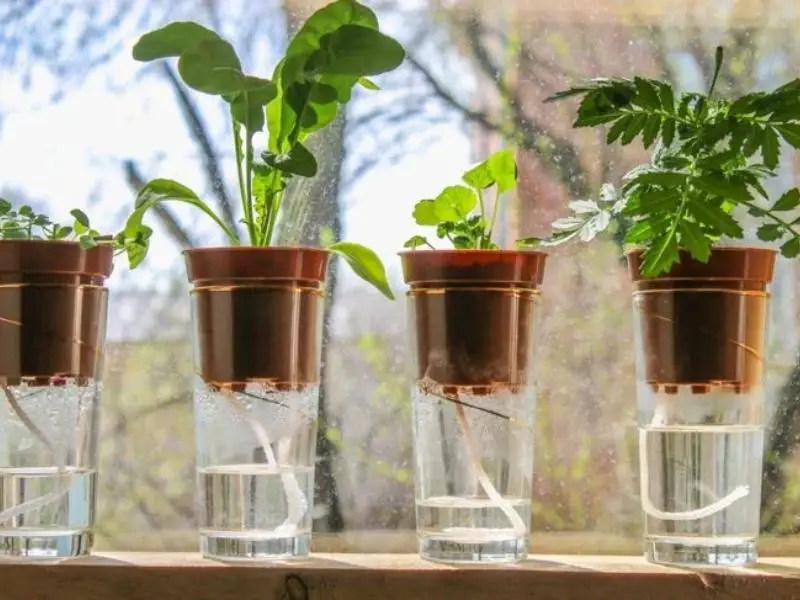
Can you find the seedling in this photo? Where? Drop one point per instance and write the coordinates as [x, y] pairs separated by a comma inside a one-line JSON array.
[[336, 50], [452, 212], [24, 223], [711, 155]]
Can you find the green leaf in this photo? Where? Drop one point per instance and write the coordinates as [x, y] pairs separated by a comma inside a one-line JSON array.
[[171, 40], [770, 232], [667, 96], [212, 67], [152, 194], [788, 201], [298, 161], [641, 231], [791, 133], [415, 242], [647, 94], [366, 264], [480, 176], [618, 128], [454, 203], [247, 105], [661, 255], [634, 128], [650, 131], [717, 185], [770, 148], [661, 178], [713, 216], [359, 51], [653, 201], [425, 213], [753, 141], [80, 219], [368, 84], [529, 242], [504, 169], [694, 240], [791, 249], [668, 132]]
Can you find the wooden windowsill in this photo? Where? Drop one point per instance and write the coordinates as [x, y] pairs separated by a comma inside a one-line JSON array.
[[174, 576]]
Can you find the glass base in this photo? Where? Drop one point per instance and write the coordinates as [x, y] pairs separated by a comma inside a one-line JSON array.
[[701, 552], [446, 549], [253, 546], [44, 545]]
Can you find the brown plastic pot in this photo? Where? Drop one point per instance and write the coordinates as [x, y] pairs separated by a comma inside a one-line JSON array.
[[704, 324], [473, 316], [53, 305], [257, 315]]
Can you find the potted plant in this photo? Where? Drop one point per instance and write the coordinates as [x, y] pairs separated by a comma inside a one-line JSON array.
[[257, 308], [700, 299], [473, 312], [52, 332]]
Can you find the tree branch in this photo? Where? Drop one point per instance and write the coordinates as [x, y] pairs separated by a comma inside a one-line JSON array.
[[164, 214], [200, 134]]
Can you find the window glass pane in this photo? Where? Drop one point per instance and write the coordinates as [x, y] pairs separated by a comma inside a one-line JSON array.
[[83, 124]]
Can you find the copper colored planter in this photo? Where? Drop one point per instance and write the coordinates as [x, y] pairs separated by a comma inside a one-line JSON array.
[[703, 324], [257, 315], [52, 311], [473, 316]]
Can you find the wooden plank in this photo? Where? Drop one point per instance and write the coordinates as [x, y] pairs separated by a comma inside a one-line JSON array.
[[168, 576]]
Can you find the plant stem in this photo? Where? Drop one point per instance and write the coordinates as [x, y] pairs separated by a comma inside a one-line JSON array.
[[785, 224], [495, 210], [717, 67], [276, 200], [248, 183], [247, 209], [483, 207]]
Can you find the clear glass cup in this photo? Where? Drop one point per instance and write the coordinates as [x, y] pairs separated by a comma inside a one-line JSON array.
[[700, 337], [257, 330], [472, 329], [53, 306]]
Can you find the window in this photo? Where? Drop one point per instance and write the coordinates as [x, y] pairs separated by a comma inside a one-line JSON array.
[[82, 124]]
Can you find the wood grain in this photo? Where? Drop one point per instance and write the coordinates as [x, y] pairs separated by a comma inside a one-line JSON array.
[[166, 576]]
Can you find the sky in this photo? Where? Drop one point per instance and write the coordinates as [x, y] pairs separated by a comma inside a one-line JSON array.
[[70, 153]]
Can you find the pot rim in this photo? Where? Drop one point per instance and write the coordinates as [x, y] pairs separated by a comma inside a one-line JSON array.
[[56, 257], [522, 268], [455, 251], [254, 249], [210, 264]]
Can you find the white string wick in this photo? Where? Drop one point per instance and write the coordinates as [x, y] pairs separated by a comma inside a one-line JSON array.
[[738, 493], [473, 455], [295, 498]]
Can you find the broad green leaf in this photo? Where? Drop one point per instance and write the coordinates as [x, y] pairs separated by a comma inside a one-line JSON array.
[[425, 213], [770, 232], [212, 67], [247, 105], [694, 240], [770, 148], [480, 176], [791, 249], [366, 264], [504, 169], [359, 51], [171, 40], [667, 96], [788, 201], [80, 218], [298, 161], [641, 231], [653, 201], [661, 178], [415, 242], [154, 193], [454, 203]]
